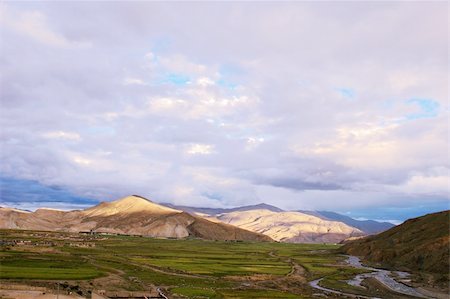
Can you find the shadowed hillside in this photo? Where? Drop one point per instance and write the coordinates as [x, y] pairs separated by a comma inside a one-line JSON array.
[[420, 244]]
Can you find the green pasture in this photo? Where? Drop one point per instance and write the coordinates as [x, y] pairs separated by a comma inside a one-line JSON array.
[[191, 268], [34, 266]]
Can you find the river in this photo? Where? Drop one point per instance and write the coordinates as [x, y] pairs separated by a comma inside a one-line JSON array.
[[383, 276]]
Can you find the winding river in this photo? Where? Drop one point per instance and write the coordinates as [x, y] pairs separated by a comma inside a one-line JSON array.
[[383, 276]]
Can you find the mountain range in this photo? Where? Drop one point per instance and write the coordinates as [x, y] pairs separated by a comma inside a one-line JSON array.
[[369, 227], [365, 227], [136, 215], [132, 215]]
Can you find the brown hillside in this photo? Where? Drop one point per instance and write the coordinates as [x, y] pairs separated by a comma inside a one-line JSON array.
[[221, 231], [419, 244]]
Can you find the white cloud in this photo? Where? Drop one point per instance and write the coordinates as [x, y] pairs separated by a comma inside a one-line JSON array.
[[205, 81], [167, 105], [253, 142], [82, 161], [262, 109], [423, 184], [200, 149], [34, 25], [178, 63]]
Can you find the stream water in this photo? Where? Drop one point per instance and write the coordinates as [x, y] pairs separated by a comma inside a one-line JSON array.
[[315, 284], [383, 276]]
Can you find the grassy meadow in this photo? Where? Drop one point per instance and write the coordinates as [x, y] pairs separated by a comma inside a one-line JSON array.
[[189, 268]]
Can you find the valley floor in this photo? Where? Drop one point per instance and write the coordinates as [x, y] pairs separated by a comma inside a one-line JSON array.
[[80, 265]]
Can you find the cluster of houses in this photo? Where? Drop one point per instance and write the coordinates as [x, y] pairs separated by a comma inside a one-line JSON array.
[[10, 243], [27, 243], [82, 239]]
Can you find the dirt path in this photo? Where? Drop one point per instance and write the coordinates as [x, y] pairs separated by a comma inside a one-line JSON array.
[[293, 282], [297, 270]]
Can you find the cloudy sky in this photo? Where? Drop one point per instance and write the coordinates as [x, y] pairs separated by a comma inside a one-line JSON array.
[[328, 106]]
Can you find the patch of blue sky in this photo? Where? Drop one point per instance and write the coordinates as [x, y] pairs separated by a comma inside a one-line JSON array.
[[226, 84], [428, 108], [347, 93], [228, 71], [14, 190], [213, 196], [176, 79]]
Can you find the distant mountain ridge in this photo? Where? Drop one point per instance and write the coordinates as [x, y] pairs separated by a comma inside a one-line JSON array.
[[134, 215], [290, 226], [369, 227]]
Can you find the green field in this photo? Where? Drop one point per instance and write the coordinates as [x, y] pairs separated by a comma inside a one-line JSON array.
[[189, 268]]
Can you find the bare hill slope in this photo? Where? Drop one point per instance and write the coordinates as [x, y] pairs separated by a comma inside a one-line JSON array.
[[291, 226], [419, 244]]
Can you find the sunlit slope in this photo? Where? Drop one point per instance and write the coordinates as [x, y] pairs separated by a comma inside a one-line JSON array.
[[420, 244], [129, 205], [291, 226]]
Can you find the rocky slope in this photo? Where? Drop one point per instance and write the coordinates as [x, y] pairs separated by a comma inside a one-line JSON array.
[[131, 215]]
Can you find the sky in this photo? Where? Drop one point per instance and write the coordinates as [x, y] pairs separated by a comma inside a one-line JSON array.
[[339, 106]]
